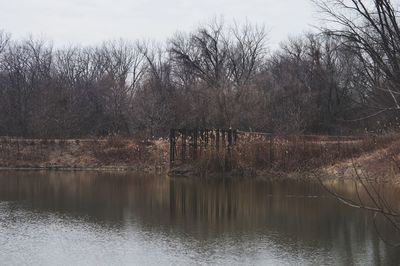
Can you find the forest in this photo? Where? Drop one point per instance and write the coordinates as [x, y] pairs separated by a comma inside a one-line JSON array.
[[341, 79]]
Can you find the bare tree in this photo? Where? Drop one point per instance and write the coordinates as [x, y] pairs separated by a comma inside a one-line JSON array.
[[218, 75], [247, 51], [369, 196], [371, 29], [312, 77], [28, 68], [220, 62], [154, 98], [205, 54], [4, 40], [125, 68]]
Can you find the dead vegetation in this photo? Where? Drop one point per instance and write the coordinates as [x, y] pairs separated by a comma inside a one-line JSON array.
[[111, 152], [382, 165], [292, 153], [250, 154], [265, 153]]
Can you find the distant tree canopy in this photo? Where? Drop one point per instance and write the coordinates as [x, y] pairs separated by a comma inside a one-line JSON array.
[[215, 76]]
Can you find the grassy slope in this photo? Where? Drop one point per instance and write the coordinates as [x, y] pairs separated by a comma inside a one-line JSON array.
[[382, 165], [110, 153], [116, 153]]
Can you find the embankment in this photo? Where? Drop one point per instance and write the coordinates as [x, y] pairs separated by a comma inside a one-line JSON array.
[[251, 156], [381, 165], [260, 154], [111, 153]]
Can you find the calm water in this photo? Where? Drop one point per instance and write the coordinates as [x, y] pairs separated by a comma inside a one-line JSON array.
[[89, 218]]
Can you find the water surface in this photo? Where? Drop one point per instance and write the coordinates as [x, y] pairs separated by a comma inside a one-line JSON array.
[[97, 218]]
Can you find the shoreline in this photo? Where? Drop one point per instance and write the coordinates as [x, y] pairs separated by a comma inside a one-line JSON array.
[[306, 175], [117, 154], [66, 168]]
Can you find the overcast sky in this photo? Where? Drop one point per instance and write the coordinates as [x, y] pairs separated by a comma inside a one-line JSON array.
[[92, 21]]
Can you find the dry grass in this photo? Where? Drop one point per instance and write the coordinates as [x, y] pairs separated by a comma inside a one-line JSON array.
[[118, 151], [83, 153], [382, 164], [263, 152], [216, 162], [252, 152], [292, 153]]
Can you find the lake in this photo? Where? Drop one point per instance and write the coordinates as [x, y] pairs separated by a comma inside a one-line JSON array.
[[104, 218]]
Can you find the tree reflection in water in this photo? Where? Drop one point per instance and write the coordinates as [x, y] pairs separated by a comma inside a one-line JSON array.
[[298, 216]]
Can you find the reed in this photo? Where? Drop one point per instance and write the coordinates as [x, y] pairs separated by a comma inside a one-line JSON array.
[[289, 153]]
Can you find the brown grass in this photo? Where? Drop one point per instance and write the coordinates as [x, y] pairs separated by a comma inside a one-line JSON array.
[[381, 164], [292, 153], [262, 152], [83, 153], [252, 152]]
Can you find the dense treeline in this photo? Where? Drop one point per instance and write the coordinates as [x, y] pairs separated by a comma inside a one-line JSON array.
[[215, 76]]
